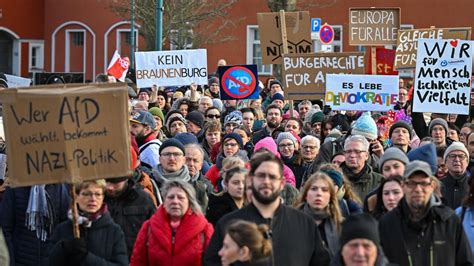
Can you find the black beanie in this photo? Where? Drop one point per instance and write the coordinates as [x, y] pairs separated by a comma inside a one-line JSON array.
[[360, 226], [403, 124], [275, 81], [196, 117], [172, 143]]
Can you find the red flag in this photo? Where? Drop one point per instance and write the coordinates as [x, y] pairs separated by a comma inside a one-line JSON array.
[[118, 66]]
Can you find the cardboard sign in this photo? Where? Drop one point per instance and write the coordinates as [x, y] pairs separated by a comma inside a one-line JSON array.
[[407, 41], [64, 135], [298, 30], [305, 74], [384, 59], [17, 82], [171, 68], [361, 92], [443, 76], [373, 26], [238, 82]]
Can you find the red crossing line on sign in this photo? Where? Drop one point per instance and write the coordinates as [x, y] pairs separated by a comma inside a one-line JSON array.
[[245, 86]]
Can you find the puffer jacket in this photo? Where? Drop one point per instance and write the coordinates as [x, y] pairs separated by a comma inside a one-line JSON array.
[[23, 245], [157, 244]]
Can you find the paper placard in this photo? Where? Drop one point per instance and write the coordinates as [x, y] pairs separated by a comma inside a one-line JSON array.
[[443, 76], [171, 68], [361, 92], [17, 82], [373, 26], [64, 135]]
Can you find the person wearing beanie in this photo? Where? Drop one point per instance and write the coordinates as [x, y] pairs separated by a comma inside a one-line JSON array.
[[400, 134], [316, 122], [275, 87], [160, 121], [231, 121], [279, 100], [456, 183], [214, 90], [290, 155], [426, 153], [421, 230], [231, 145], [142, 127], [176, 125], [195, 124], [438, 130], [365, 126], [357, 231], [144, 94]]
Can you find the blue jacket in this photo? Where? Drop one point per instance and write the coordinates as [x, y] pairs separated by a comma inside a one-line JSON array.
[[468, 224], [23, 245]]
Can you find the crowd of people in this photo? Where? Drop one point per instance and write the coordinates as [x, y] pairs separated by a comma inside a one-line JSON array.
[[253, 182]]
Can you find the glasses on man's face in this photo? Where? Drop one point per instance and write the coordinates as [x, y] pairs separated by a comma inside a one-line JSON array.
[[172, 154], [263, 176], [308, 147], [230, 144], [286, 146], [90, 195], [459, 156], [213, 116], [356, 152], [413, 184]]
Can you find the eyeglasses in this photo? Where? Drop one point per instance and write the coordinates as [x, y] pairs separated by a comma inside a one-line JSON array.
[[174, 154], [230, 144], [459, 156], [413, 184], [308, 147], [289, 145], [90, 195], [213, 116], [356, 152], [262, 176]]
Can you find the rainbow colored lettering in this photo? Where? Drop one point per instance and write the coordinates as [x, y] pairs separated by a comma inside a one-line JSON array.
[[361, 97]]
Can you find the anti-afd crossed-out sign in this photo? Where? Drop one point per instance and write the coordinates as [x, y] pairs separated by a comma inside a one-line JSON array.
[[238, 82]]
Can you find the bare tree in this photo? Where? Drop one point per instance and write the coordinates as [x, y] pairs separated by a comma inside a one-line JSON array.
[[186, 23]]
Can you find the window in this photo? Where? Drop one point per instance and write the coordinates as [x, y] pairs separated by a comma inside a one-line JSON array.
[[78, 38], [181, 39], [335, 46], [36, 56], [254, 51]]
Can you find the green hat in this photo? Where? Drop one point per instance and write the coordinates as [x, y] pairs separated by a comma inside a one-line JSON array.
[[317, 117], [155, 111]]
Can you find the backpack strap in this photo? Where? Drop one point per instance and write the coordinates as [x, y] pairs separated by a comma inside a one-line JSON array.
[[142, 148]]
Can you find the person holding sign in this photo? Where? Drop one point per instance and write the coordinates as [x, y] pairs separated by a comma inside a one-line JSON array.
[[101, 242]]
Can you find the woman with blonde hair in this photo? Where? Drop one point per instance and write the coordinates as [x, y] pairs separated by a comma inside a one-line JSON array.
[[245, 242], [318, 199]]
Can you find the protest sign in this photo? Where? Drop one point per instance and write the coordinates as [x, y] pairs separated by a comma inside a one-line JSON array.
[[17, 82], [118, 66], [361, 92], [238, 82], [373, 26], [443, 76], [384, 59], [407, 41], [305, 74], [298, 29], [171, 68], [65, 135]]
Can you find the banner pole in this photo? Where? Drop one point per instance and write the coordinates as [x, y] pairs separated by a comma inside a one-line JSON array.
[[75, 226], [284, 38], [373, 59]]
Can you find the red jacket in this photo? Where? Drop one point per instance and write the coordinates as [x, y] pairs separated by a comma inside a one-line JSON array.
[[154, 241]]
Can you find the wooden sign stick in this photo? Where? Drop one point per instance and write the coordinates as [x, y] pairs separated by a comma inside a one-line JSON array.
[[75, 226], [284, 38], [373, 59]]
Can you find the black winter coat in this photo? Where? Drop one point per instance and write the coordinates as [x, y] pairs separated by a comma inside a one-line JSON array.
[[443, 233], [295, 237], [219, 205], [105, 243], [23, 245], [130, 210], [454, 190]]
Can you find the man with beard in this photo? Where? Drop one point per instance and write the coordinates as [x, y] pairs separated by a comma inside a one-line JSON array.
[[129, 206], [316, 122], [295, 238], [273, 116], [421, 230], [142, 125]]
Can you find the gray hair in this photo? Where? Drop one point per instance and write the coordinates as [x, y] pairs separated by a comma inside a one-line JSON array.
[[357, 138], [312, 138], [195, 146], [187, 188], [305, 102], [205, 98]]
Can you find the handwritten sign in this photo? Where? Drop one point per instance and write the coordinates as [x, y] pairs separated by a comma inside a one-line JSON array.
[[171, 68], [298, 30], [361, 92], [305, 74], [443, 76], [373, 26], [64, 135], [384, 59], [407, 41]]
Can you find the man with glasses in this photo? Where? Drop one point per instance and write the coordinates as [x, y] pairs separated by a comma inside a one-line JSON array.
[[421, 230], [356, 168], [402, 99], [456, 183], [295, 237], [274, 116], [309, 149]]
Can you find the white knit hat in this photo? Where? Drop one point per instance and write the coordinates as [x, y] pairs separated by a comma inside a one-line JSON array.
[[456, 146]]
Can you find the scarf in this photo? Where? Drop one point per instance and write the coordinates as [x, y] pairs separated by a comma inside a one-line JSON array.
[[162, 177], [353, 176], [38, 213], [86, 219], [316, 215]]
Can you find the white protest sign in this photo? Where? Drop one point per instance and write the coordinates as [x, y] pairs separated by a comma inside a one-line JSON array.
[[171, 68], [17, 82], [443, 76], [361, 92]]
